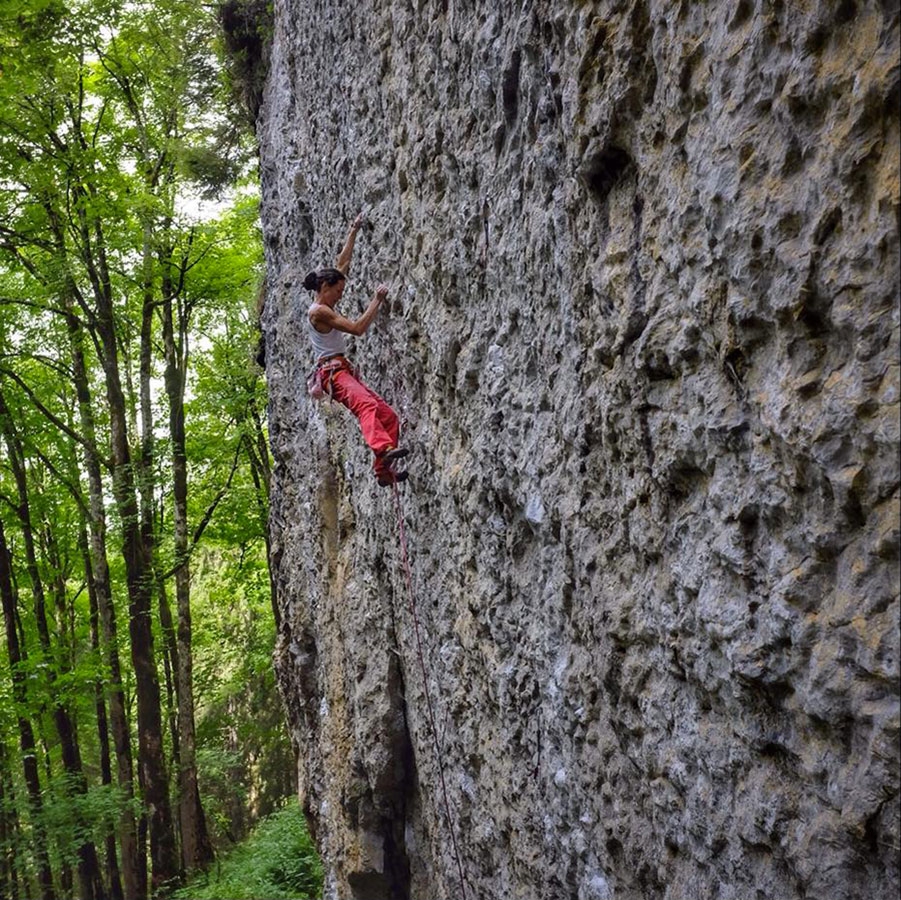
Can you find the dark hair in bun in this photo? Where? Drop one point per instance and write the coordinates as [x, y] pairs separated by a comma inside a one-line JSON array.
[[314, 280]]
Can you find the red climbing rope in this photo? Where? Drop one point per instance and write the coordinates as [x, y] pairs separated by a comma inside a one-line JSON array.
[[425, 680]]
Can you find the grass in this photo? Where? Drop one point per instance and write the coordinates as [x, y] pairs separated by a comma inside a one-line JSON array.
[[277, 862]]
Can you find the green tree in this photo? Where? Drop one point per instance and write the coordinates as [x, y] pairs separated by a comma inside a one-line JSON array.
[[111, 117]]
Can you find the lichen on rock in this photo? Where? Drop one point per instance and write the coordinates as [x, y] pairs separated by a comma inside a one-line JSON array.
[[644, 336]]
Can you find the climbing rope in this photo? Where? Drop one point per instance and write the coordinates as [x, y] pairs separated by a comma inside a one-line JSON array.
[[439, 753]]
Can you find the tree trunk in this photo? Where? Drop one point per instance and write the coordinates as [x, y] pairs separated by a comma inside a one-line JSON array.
[[113, 879], [134, 884], [237, 805], [153, 777], [26, 733], [170, 668], [9, 826], [170, 664], [197, 851], [139, 578], [90, 877], [88, 866]]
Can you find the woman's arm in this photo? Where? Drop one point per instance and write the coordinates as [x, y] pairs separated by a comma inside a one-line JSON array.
[[343, 262], [324, 317]]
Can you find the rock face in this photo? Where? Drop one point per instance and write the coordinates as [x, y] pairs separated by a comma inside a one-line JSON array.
[[644, 335]]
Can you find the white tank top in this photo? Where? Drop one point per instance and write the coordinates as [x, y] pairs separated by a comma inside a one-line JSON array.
[[330, 344]]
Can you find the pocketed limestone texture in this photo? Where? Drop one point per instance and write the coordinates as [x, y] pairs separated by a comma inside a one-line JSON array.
[[644, 336]]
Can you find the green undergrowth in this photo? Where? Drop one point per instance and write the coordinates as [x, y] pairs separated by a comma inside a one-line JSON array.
[[277, 862]]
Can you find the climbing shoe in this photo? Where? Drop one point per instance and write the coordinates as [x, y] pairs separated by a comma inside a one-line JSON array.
[[395, 453], [386, 479]]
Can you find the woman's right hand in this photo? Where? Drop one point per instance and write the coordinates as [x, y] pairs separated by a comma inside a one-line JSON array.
[[381, 292]]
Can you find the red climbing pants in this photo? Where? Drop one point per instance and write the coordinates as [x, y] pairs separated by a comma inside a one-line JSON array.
[[377, 419]]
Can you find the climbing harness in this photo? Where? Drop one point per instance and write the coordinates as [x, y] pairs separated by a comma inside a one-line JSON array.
[[439, 753], [329, 366]]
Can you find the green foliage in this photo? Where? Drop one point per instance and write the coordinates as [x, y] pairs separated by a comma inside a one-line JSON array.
[[277, 862], [74, 818], [243, 749], [115, 119], [223, 792], [71, 816]]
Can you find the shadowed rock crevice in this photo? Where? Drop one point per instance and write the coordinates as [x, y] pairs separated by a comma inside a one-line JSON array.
[[602, 170]]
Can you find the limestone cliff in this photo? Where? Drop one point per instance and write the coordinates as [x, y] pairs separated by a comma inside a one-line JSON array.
[[644, 334]]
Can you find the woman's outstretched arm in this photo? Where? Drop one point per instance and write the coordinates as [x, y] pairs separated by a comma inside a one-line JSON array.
[[343, 262], [324, 317]]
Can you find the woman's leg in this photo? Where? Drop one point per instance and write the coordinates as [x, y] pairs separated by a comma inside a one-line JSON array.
[[378, 421], [387, 417]]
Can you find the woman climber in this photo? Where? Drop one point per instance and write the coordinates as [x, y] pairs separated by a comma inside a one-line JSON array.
[[335, 375]]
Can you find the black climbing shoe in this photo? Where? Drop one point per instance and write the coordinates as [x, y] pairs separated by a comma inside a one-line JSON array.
[[395, 453], [389, 478]]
